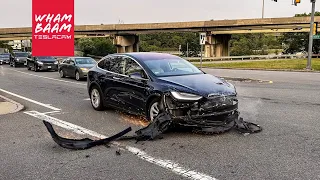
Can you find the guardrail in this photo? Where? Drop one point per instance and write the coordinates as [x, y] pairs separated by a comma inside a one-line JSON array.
[[251, 57], [231, 58]]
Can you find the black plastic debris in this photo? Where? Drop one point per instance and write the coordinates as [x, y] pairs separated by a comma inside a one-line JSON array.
[[158, 126], [81, 144], [246, 127]]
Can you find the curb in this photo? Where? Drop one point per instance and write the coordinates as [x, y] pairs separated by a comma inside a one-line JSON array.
[[9, 106], [246, 79], [256, 69]]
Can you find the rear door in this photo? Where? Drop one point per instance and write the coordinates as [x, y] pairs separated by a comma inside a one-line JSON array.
[[64, 65], [110, 81]]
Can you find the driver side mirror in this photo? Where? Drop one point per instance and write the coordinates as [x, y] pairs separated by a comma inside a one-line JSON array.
[[136, 75]]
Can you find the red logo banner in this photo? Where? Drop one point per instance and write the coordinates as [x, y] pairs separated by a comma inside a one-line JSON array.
[[53, 28]]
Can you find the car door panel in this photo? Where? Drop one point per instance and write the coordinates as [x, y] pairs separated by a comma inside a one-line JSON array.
[[134, 91], [135, 94], [109, 81]]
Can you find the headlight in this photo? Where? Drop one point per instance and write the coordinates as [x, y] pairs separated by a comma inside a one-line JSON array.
[[84, 69], [56, 62], [17, 59], [39, 62], [185, 96]]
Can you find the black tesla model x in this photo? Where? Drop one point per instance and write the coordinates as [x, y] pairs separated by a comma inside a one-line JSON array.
[[137, 82]]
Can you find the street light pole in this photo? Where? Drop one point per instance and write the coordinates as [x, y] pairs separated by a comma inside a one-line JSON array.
[[311, 35], [262, 9]]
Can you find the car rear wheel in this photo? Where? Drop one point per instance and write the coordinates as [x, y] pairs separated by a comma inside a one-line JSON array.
[[35, 68], [96, 99], [153, 109], [29, 67], [77, 76], [61, 73]]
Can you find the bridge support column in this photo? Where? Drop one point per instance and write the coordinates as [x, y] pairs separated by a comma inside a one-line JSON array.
[[217, 45], [126, 43]]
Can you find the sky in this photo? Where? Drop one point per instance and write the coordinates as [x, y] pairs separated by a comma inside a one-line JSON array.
[[17, 13]]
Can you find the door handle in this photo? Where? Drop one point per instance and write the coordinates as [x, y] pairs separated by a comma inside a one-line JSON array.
[[116, 78]]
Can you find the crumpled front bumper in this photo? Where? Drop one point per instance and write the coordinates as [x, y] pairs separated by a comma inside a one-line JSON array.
[[219, 111]]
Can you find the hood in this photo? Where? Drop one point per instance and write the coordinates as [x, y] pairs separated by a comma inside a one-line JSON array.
[[20, 57], [200, 84], [47, 60], [89, 66]]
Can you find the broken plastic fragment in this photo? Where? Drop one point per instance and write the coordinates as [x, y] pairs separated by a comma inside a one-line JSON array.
[[80, 144]]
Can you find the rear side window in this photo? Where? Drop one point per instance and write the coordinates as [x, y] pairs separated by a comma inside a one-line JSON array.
[[113, 64]]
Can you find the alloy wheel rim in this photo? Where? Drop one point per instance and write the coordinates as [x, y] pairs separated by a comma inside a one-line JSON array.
[[95, 98], [154, 111], [77, 76], [61, 73]]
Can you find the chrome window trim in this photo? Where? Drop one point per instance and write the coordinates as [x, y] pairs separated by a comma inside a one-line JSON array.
[[97, 66]]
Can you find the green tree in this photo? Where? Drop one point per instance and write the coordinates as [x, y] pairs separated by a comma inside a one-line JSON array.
[[96, 46], [298, 42]]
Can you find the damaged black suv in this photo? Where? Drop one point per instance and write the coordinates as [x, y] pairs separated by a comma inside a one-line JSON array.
[[146, 83]]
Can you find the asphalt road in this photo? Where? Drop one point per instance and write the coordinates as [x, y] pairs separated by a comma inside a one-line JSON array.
[[287, 148]]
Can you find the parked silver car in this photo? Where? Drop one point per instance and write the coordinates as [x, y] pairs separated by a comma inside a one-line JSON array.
[[76, 67]]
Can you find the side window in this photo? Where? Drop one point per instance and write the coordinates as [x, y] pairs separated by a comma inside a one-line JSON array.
[[132, 68], [113, 64], [101, 63]]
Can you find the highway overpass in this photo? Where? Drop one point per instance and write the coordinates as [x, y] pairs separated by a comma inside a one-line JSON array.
[[126, 36]]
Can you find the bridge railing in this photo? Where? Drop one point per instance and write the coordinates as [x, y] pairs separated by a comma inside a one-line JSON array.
[[237, 58]]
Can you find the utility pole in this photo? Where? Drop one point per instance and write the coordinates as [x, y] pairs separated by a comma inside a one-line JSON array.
[[311, 34]]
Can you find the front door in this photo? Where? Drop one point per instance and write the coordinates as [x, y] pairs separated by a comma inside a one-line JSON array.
[[71, 68], [135, 86]]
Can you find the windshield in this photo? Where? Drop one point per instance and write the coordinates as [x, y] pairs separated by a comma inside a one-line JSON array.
[[46, 58], [171, 67], [85, 61], [21, 54]]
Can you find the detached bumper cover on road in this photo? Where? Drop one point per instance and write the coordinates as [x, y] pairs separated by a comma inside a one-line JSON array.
[[81, 144]]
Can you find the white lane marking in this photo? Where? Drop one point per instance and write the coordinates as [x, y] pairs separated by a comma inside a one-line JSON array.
[[30, 100], [51, 112], [87, 99], [167, 164], [83, 84]]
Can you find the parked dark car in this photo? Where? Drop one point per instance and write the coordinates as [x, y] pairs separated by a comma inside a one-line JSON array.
[[5, 58], [76, 67], [42, 63], [19, 58], [137, 82]]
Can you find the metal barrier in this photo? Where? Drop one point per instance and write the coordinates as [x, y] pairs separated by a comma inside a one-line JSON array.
[[242, 58]]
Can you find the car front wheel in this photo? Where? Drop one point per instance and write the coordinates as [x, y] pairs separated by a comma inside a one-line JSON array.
[[153, 109], [77, 76], [96, 99]]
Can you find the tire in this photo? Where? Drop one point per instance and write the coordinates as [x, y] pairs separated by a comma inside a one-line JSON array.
[[35, 68], [14, 64], [96, 98], [153, 106], [28, 67], [77, 76], [61, 73]]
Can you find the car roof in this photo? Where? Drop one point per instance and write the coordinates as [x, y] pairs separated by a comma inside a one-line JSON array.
[[150, 55]]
